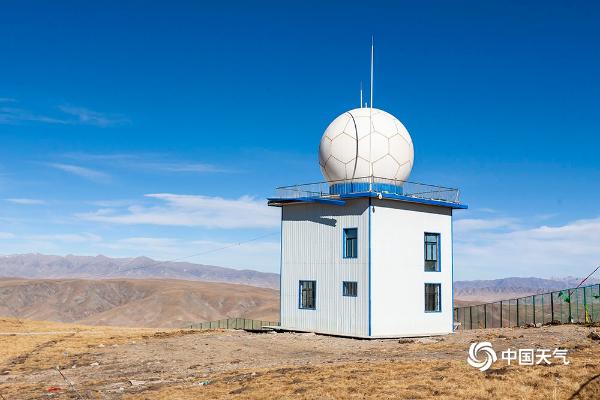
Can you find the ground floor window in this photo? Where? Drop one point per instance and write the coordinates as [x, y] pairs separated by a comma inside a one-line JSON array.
[[433, 297], [308, 294], [350, 289]]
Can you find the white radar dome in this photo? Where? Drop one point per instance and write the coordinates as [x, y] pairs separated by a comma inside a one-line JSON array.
[[351, 149]]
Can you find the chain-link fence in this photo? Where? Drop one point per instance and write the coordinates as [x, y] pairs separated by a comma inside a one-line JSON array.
[[234, 323], [580, 305]]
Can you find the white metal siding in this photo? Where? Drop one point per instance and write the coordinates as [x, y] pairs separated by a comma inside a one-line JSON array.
[[397, 270], [312, 243]]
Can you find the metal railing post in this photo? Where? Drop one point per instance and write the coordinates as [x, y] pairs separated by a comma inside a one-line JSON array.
[[517, 312], [485, 316], [585, 311], [552, 306], [570, 309], [533, 301], [471, 317], [593, 309], [501, 314]]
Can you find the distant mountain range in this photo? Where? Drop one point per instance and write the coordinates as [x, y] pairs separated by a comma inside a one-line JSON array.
[[40, 266], [507, 288], [100, 267]]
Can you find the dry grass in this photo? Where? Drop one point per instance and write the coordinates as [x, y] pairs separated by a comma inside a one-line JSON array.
[[386, 380], [174, 364], [38, 344]]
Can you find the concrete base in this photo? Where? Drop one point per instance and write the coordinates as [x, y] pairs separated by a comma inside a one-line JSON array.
[[399, 336]]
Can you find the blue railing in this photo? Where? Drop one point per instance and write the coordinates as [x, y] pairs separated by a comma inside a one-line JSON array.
[[370, 184]]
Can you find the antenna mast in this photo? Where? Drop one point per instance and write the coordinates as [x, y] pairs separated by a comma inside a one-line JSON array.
[[361, 101], [371, 113], [372, 51]]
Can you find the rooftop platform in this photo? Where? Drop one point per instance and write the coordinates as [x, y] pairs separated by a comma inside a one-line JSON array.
[[338, 192]]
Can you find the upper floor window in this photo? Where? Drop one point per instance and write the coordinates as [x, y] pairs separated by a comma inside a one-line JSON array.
[[350, 243], [432, 251], [308, 294]]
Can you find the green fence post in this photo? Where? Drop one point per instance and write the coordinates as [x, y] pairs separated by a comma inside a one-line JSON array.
[[562, 312], [577, 307], [570, 309], [593, 308], [517, 312], [585, 311], [552, 306], [543, 311], [598, 291], [533, 304]]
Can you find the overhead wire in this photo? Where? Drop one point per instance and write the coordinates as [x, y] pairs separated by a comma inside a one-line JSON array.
[[156, 263]]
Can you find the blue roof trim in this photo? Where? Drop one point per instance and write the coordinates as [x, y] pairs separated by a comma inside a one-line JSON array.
[[306, 200], [392, 196]]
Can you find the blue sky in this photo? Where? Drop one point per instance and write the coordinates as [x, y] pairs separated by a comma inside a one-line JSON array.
[[129, 128]]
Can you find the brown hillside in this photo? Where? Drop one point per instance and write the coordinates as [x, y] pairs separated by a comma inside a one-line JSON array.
[[134, 302]]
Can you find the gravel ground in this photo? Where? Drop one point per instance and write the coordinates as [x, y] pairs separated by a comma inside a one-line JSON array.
[[113, 364]]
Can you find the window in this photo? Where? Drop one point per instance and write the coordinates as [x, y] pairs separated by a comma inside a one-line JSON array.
[[308, 294], [433, 298], [350, 243], [432, 251], [350, 289]]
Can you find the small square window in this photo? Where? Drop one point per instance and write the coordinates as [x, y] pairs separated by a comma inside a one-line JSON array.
[[433, 297], [350, 243], [350, 289], [308, 294], [432, 252]]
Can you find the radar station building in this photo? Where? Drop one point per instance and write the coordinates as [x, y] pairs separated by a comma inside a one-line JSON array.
[[367, 253]]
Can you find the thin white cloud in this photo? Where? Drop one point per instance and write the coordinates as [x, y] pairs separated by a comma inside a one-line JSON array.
[[147, 162], [6, 235], [487, 210], [544, 251], [469, 225], [111, 157], [89, 117], [67, 238], [181, 167], [83, 172], [142, 242], [112, 203], [67, 115], [190, 210], [25, 201], [11, 115]]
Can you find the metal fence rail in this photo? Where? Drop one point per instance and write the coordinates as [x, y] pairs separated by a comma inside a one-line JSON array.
[[369, 184], [579, 305], [234, 323]]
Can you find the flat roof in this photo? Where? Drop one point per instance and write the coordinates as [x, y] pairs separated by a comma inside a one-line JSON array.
[[340, 200], [338, 192]]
